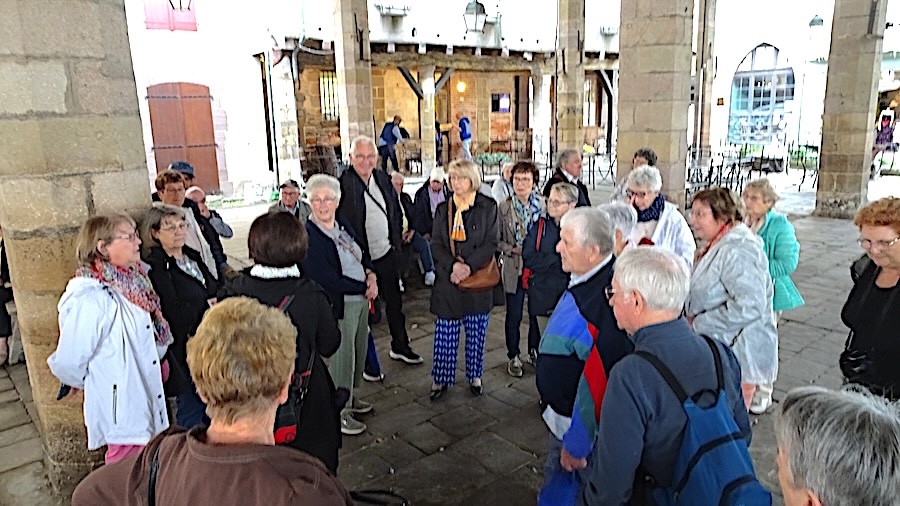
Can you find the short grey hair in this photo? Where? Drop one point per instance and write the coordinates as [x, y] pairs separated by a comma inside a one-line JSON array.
[[592, 227], [319, 181], [623, 216], [565, 155], [362, 139], [842, 445], [397, 176], [644, 176], [567, 191], [662, 279]]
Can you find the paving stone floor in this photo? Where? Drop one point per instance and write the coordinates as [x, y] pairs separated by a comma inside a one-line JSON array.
[[487, 450]]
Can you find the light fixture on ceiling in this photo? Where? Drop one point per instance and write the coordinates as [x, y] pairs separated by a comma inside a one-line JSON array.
[[461, 87], [475, 16]]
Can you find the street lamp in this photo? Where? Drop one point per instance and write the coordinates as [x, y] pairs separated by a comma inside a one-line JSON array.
[[475, 16]]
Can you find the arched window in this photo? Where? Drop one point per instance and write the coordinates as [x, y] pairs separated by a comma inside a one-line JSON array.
[[762, 84]]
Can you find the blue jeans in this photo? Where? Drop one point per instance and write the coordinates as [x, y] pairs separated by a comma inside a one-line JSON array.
[[515, 302], [466, 148], [423, 248]]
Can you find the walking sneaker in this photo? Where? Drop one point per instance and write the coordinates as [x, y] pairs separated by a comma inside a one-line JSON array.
[[429, 278], [514, 367], [351, 426], [760, 403], [373, 377], [532, 357], [408, 356], [360, 407]]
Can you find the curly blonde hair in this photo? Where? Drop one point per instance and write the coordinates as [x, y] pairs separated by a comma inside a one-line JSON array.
[[881, 213]]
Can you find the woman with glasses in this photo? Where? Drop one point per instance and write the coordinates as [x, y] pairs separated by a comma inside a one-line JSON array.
[[731, 292], [659, 222], [547, 281], [872, 311], [186, 290], [112, 337], [338, 263], [517, 214], [783, 252]]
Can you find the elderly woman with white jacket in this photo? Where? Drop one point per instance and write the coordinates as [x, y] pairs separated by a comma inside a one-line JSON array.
[[112, 337], [659, 222], [731, 290]]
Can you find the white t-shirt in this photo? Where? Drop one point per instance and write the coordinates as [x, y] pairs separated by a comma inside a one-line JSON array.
[[376, 221]]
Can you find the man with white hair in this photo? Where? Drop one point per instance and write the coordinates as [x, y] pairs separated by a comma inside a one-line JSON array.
[[577, 351], [370, 205], [837, 448], [641, 425]]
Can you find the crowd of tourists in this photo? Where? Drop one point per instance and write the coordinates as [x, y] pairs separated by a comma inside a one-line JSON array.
[[650, 336]]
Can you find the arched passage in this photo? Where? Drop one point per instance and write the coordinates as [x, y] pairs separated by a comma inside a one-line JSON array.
[[762, 85]]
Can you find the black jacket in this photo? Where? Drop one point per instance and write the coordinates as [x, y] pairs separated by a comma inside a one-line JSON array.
[[548, 281], [184, 301], [353, 205], [482, 236], [319, 429], [323, 265], [422, 204], [406, 203], [209, 233], [559, 177]]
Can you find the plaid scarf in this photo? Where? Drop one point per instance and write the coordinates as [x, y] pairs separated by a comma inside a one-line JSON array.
[[133, 284]]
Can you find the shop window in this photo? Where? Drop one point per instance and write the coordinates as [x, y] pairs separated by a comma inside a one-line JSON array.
[[170, 15], [328, 95], [759, 90], [500, 102]]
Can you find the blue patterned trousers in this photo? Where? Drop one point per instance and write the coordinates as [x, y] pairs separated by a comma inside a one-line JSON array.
[[446, 342]]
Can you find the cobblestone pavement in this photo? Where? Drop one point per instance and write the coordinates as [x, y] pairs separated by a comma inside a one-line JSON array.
[[487, 450]]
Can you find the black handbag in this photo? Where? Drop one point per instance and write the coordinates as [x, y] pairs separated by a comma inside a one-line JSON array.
[[287, 417]]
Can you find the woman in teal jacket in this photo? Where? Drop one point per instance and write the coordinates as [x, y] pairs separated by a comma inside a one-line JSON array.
[[783, 251]]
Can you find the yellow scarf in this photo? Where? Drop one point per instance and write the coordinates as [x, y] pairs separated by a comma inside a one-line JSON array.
[[463, 203]]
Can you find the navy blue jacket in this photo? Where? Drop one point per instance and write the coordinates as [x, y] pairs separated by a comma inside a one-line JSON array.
[[548, 280], [642, 422], [323, 265], [559, 177], [352, 208], [422, 208]]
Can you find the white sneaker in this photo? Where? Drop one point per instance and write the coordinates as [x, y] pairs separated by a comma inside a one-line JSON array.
[[429, 278], [514, 367], [760, 403], [402, 288]]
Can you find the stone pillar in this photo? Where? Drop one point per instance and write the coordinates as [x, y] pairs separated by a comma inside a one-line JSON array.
[[851, 92], [70, 146], [655, 86], [541, 110], [427, 118], [287, 134], [353, 61], [570, 83], [705, 72]]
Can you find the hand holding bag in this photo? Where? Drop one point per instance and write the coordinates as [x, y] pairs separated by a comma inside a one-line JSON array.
[[482, 280]]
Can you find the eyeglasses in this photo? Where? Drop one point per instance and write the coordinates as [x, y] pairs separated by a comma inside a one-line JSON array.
[[558, 203], [868, 244], [126, 237], [290, 193], [323, 200], [610, 291], [527, 179], [174, 189], [172, 228], [699, 214], [365, 157], [632, 193]]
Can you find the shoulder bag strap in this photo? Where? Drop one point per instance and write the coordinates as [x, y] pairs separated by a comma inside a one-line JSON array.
[[381, 207], [720, 374], [666, 373], [154, 471], [537, 246], [305, 374]]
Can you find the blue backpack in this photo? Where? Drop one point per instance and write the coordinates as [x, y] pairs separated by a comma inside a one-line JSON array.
[[713, 466]]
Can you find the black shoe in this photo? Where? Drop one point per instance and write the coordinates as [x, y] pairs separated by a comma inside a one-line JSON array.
[[437, 394], [408, 356], [476, 390]]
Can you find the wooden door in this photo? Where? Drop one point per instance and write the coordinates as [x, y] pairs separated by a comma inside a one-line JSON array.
[[182, 127]]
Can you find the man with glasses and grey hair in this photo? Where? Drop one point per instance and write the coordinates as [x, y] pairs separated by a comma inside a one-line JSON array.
[[577, 351], [642, 421], [837, 448]]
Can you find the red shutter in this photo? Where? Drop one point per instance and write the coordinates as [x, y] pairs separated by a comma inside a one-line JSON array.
[[160, 15], [182, 128], [156, 14]]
